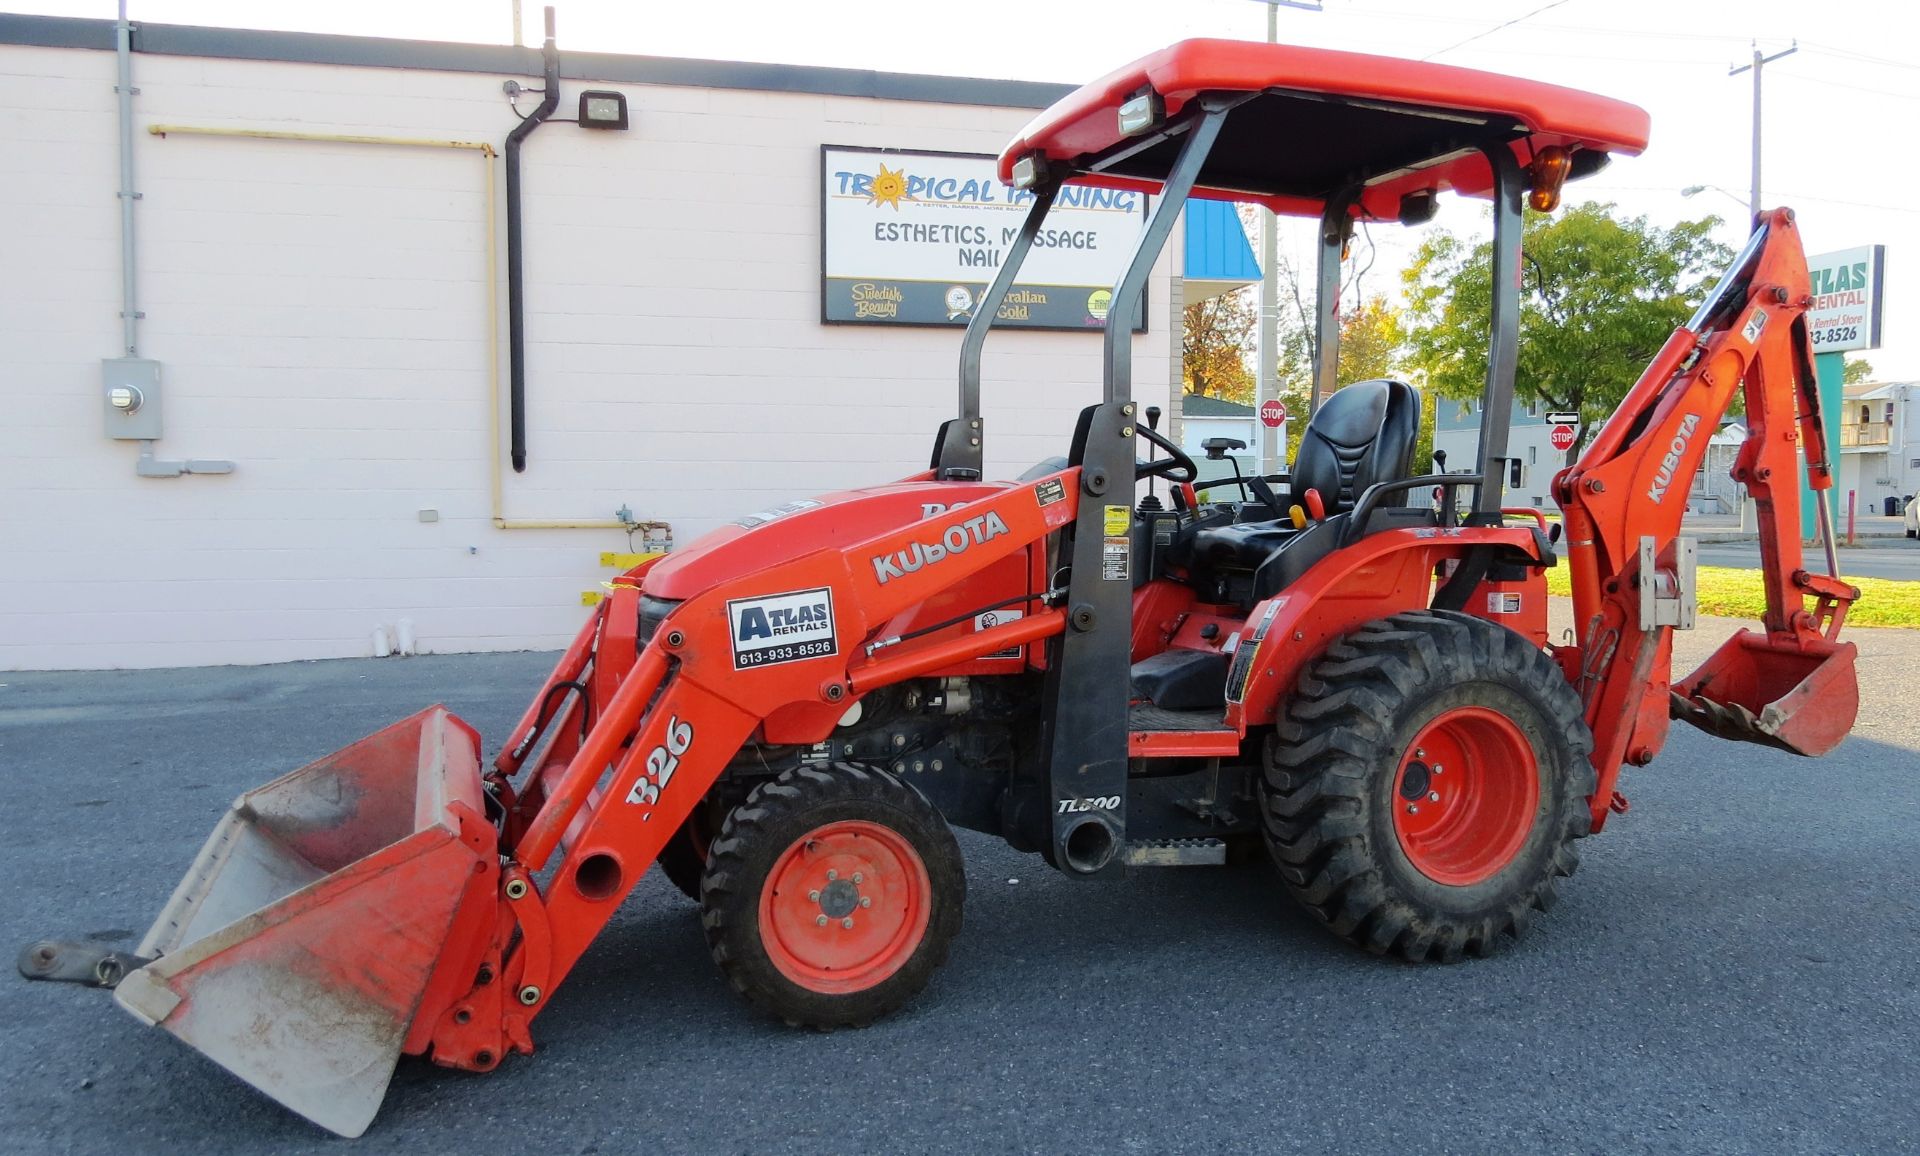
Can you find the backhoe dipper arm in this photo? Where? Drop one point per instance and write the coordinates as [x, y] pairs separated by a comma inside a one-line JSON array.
[[1791, 687]]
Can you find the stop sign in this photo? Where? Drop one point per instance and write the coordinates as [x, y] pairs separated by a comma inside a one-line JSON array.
[[1561, 437], [1272, 413]]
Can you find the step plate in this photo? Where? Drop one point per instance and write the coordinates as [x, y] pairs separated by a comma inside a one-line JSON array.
[[1162, 734]]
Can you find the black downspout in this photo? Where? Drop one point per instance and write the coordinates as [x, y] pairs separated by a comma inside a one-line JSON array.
[[516, 306]]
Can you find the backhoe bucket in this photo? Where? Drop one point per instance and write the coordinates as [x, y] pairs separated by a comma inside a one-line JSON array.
[[1797, 696], [297, 949]]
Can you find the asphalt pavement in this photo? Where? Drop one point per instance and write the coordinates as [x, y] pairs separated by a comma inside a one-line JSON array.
[[1872, 558], [1736, 968]]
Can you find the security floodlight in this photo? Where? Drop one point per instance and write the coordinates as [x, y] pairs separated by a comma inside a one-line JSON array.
[[603, 110]]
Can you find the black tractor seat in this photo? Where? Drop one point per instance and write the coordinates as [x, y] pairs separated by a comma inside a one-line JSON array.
[[1361, 435]]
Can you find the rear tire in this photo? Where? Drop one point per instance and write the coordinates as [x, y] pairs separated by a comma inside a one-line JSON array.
[[832, 895], [1425, 789]]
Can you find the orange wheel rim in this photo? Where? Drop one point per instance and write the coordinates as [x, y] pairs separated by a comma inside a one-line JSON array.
[[845, 907], [1465, 795]]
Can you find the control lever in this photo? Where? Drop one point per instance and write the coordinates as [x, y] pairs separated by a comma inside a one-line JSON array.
[[1443, 494], [1152, 500]]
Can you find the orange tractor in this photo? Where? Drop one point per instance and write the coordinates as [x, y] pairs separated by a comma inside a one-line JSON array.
[[789, 715]]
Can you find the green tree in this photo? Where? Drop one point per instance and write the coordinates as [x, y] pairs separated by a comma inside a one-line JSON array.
[[1373, 339], [1216, 346], [1599, 296], [1858, 369], [1372, 336]]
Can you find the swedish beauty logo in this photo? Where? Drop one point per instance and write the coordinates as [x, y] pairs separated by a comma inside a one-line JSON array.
[[781, 628]]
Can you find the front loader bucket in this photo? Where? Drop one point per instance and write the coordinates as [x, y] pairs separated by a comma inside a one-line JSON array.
[[1797, 696], [298, 947]]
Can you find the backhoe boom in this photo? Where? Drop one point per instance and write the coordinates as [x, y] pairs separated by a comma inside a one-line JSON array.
[[1791, 687]]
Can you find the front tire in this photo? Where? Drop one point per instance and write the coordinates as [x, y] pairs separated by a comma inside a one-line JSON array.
[[1426, 786], [832, 894]]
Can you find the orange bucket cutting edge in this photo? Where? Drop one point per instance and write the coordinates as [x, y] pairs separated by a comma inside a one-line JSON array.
[[1796, 695]]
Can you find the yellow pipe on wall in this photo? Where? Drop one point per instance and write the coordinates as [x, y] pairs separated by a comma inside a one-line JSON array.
[[495, 486], [334, 137]]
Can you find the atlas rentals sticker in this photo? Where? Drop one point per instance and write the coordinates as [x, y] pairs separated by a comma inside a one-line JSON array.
[[781, 628]]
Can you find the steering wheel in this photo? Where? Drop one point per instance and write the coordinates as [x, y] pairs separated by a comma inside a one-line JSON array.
[[1175, 467]]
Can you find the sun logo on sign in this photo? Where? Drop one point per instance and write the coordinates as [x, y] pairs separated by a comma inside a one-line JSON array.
[[888, 187]]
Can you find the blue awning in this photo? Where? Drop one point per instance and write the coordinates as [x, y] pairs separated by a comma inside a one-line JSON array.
[[1218, 256], [1217, 248]]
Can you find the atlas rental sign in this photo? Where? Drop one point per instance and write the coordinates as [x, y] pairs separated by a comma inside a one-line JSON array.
[[1847, 293], [914, 238]]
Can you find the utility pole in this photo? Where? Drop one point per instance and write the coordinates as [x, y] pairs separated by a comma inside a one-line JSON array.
[[1758, 64], [1271, 453], [1271, 449]]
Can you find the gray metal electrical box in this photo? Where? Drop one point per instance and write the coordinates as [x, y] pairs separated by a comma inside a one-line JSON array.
[[130, 397]]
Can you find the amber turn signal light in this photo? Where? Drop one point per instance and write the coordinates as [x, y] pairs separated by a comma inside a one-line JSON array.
[[1548, 174]]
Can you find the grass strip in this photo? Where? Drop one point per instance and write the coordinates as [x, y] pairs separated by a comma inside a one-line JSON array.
[[1734, 593]]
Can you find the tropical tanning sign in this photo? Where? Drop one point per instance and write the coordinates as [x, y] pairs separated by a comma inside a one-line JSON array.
[[914, 238]]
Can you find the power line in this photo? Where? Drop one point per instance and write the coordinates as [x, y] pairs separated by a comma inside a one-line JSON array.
[[1584, 29], [1852, 204], [1783, 198], [1850, 54], [1496, 28], [1857, 88]]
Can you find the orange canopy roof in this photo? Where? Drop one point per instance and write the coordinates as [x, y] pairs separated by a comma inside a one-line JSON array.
[[1292, 148]]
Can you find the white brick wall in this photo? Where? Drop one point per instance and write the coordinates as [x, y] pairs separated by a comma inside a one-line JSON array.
[[320, 313]]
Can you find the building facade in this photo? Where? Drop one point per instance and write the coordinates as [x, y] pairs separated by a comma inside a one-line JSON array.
[[328, 316], [1879, 446], [1457, 433]]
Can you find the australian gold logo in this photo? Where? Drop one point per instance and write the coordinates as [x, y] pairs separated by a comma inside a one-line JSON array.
[[1019, 305]]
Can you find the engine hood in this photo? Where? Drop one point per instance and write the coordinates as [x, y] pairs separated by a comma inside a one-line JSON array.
[[769, 537]]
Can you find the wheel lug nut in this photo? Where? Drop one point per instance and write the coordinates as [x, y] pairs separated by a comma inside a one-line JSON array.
[[847, 923], [813, 897], [820, 921], [857, 878], [866, 901], [1433, 796], [1413, 808], [832, 875], [1419, 752], [1438, 769]]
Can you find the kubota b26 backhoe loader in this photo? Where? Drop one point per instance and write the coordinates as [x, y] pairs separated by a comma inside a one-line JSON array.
[[789, 714]]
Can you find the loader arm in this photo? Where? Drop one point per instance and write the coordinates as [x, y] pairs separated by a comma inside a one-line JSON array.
[[587, 816], [1792, 686]]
